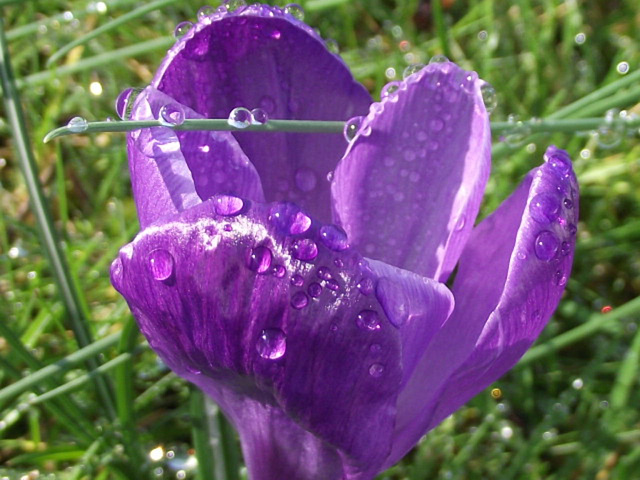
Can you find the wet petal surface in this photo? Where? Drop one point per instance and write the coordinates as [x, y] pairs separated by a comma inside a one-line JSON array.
[[259, 57], [510, 280], [173, 170], [227, 302], [408, 189]]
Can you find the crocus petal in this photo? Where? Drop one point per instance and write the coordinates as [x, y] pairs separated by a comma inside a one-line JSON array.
[[409, 187], [174, 170], [259, 57], [511, 276], [274, 317]]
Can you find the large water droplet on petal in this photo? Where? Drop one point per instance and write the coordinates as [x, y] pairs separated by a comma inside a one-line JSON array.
[[314, 289], [297, 280], [306, 179], [366, 286], [288, 218], [182, 29], [390, 91], [228, 205], [546, 245], [368, 320], [77, 125], [234, 4], [376, 370], [334, 237], [560, 162], [271, 344], [544, 208], [259, 259], [295, 10], [305, 249], [240, 117], [351, 128], [299, 300], [489, 97], [411, 69], [161, 264], [205, 11], [439, 59]]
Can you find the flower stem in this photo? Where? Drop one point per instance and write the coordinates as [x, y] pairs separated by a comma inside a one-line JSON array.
[[314, 126]]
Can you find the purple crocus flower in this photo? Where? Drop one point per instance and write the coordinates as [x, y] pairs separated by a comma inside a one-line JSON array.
[[299, 284]]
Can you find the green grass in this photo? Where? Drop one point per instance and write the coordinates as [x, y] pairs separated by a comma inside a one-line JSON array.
[[568, 411]]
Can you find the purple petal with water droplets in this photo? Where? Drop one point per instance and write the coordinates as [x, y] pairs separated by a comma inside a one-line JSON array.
[[257, 57], [173, 170], [506, 289], [218, 310], [409, 187]]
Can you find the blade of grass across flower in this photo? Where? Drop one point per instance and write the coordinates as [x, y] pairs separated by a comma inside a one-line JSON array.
[[63, 278], [222, 438], [441, 27], [115, 23], [594, 324]]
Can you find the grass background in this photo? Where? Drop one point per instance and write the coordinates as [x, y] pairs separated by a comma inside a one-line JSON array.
[[567, 411]]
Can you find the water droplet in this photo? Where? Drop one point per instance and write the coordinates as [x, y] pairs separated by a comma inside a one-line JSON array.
[[375, 349], [182, 29], [368, 320], [234, 4], [240, 117], [305, 249], [436, 124], [77, 125], [332, 45], [565, 248], [438, 59], [351, 128], [324, 273], [288, 218], [390, 90], [580, 38], [332, 285], [295, 10], [171, 114], [546, 245], [366, 286], [411, 69], [559, 161], [572, 229], [297, 280], [560, 278], [161, 264], [330, 176], [228, 205], [205, 11], [461, 222], [279, 271], [376, 370], [259, 116], [489, 97], [518, 132], [338, 263], [306, 179], [259, 259], [271, 344], [314, 289], [544, 208], [567, 203], [334, 237], [124, 102], [522, 255], [622, 68], [299, 300], [610, 134]]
